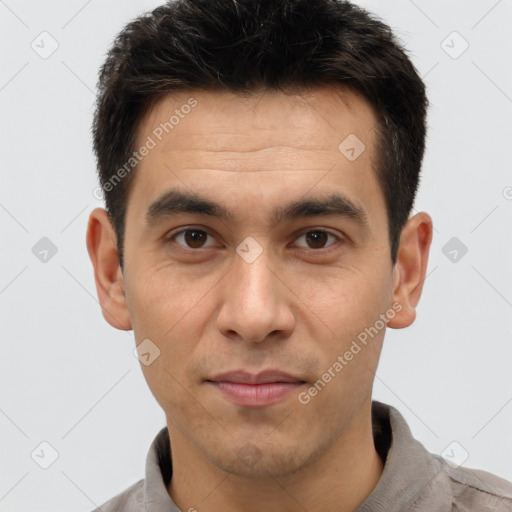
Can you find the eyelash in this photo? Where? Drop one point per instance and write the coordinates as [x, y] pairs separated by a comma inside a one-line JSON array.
[[170, 239]]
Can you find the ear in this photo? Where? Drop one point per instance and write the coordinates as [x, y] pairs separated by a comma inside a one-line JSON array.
[[102, 248], [410, 268]]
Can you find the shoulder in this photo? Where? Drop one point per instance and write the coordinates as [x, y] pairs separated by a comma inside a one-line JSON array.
[[467, 489], [474, 489], [129, 500], [460, 489], [424, 481]]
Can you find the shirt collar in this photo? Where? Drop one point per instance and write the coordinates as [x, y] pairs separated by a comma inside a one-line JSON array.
[[408, 467]]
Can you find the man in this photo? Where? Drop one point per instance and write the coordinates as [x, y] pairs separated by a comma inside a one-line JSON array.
[[259, 161]]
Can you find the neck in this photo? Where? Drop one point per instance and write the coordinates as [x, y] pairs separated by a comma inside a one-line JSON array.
[[339, 479]]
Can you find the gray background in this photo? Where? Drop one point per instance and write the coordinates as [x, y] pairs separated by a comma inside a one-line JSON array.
[[70, 379]]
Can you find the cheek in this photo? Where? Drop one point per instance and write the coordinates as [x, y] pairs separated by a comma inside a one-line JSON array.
[[163, 299], [347, 307], [169, 388], [343, 302], [166, 311]]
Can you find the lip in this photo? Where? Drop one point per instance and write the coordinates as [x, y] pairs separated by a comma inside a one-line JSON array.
[[264, 377], [265, 388]]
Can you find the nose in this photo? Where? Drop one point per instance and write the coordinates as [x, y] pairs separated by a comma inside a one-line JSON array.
[[256, 302]]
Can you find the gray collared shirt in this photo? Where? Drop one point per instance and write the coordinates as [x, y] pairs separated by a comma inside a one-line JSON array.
[[413, 479]]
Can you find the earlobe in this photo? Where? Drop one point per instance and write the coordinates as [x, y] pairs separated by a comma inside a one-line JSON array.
[[101, 245], [410, 268]]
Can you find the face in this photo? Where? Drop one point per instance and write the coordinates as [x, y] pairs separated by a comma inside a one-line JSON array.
[[250, 285]]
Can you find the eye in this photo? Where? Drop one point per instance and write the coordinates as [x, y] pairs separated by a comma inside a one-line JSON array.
[[194, 238], [317, 239], [190, 238]]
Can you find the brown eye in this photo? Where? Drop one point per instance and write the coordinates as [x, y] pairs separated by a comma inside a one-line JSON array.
[[191, 238], [317, 239], [195, 238]]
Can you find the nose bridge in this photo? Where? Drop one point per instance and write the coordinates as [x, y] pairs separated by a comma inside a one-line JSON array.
[[254, 281], [251, 266], [253, 303]]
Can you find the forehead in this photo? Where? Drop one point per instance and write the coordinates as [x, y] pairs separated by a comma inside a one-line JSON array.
[[314, 118], [255, 147]]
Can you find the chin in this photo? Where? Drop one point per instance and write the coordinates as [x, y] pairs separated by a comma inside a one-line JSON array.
[[262, 460]]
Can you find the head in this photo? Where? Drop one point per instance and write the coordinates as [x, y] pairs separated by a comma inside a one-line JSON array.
[[287, 136]]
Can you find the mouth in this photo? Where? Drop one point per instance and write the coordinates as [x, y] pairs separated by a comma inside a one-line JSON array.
[[250, 390]]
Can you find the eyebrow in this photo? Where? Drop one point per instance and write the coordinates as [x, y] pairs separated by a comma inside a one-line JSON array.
[[175, 201]]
